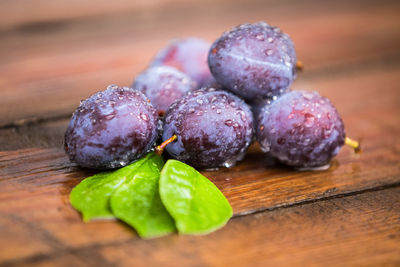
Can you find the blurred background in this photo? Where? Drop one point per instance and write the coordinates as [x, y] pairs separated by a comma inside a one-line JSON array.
[[55, 53]]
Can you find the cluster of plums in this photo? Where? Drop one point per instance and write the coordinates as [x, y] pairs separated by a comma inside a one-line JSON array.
[[213, 99]]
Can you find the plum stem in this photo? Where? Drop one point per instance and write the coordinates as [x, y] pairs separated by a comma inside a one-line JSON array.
[[299, 65], [160, 149], [354, 144]]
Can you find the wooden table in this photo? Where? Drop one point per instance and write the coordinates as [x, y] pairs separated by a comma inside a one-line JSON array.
[[52, 54]]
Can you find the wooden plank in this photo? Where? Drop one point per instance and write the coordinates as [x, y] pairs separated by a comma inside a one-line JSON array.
[[377, 166], [360, 230], [252, 185], [349, 219], [18, 14], [34, 188], [351, 231], [48, 72], [353, 78]]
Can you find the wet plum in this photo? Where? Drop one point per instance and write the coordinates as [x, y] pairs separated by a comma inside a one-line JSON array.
[[253, 61], [213, 127], [188, 55], [111, 128], [301, 129]]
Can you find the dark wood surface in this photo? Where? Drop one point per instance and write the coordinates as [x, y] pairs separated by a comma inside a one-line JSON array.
[[53, 56]]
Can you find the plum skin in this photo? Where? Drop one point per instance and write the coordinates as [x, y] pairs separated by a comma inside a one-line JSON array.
[[213, 127], [188, 55], [163, 85], [111, 129], [253, 61], [301, 129]]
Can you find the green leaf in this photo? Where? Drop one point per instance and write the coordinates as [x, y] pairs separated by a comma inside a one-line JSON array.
[[91, 197], [138, 202], [195, 203]]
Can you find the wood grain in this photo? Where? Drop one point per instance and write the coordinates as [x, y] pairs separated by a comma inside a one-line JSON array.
[[358, 81], [54, 54], [25, 15], [35, 184], [252, 185], [330, 233], [47, 72], [20, 13], [350, 231]]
